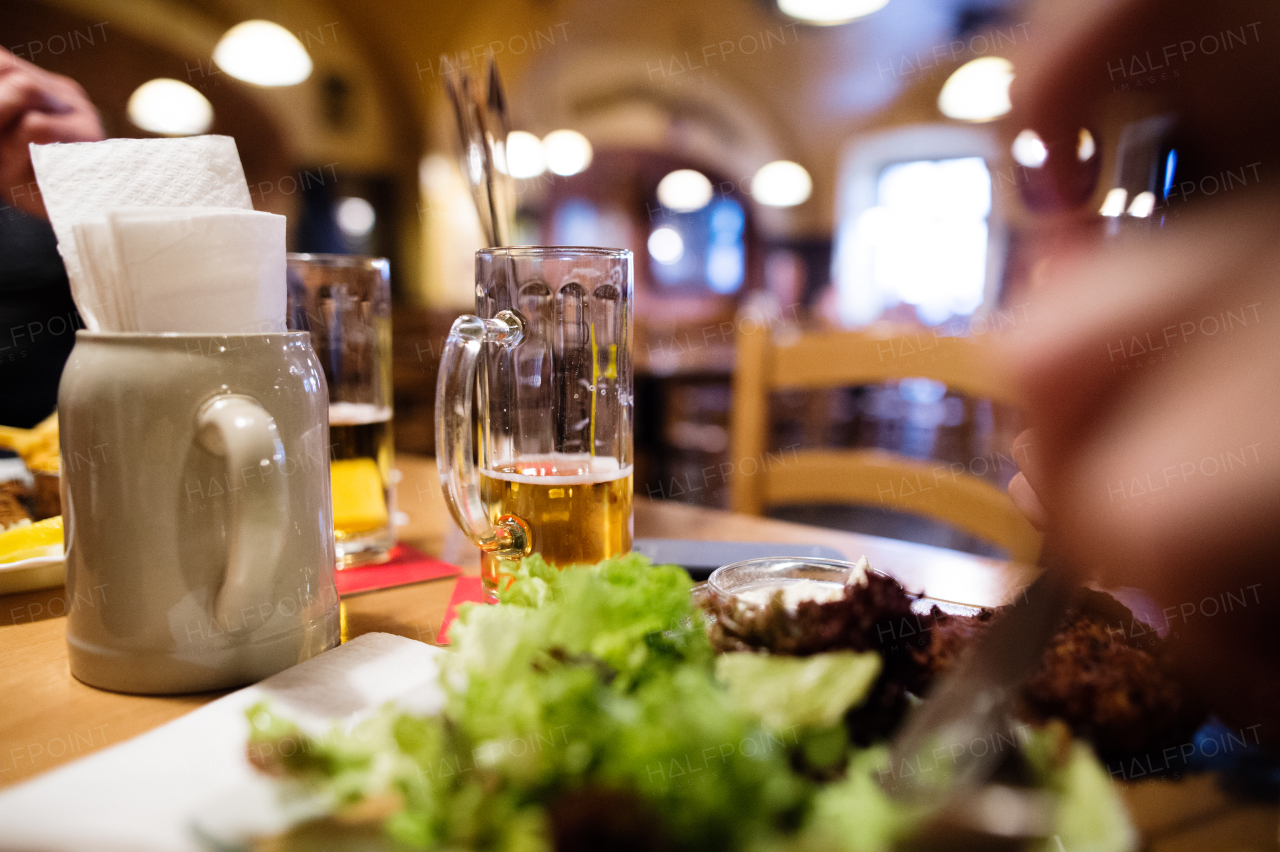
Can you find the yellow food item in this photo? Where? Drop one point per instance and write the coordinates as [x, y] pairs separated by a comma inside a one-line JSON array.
[[46, 464], [38, 446], [10, 436], [27, 540], [359, 503]]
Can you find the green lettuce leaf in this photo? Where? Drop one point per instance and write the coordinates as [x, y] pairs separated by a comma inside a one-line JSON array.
[[808, 692], [855, 815], [1090, 816]]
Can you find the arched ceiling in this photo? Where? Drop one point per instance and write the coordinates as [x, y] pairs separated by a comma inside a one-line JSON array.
[[682, 75], [730, 79], [382, 122]]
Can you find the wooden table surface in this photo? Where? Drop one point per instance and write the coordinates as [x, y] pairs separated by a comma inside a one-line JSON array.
[[48, 718]]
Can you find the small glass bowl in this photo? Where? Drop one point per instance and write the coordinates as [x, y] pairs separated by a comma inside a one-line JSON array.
[[739, 623], [725, 582]]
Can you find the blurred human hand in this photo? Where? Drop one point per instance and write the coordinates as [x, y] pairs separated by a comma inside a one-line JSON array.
[[37, 106], [1151, 371]]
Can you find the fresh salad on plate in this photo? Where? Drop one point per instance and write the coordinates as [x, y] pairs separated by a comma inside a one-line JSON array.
[[590, 710]]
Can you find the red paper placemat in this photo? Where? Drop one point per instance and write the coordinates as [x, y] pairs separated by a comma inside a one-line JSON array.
[[406, 565], [467, 589]]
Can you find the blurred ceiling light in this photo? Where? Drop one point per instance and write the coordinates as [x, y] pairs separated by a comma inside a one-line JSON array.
[[1085, 147], [568, 151], [1142, 205], [263, 53], [525, 154], [978, 90], [1029, 150], [684, 191], [1113, 204], [170, 107], [666, 245], [355, 217], [781, 183], [828, 12]]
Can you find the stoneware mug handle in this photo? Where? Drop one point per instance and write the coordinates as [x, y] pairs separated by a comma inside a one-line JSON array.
[[238, 429]]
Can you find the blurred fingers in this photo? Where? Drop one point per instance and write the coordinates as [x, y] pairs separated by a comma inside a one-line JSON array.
[[20, 94], [1103, 322], [1177, 485], [42, 128], [1025, 453], [1024, 497]]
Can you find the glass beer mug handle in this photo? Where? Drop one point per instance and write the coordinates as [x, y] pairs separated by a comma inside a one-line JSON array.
[[455, 442], [238, 429]]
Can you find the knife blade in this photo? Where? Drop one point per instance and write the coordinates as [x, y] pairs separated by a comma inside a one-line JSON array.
[[954, 741]]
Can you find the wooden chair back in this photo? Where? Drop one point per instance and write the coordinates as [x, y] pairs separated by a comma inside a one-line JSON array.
[[787, 358]]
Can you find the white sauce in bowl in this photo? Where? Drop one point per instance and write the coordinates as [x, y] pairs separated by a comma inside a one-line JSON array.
[[794, 590]]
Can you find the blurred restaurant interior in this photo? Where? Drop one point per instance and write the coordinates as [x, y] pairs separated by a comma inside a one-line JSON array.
[[769, 170], [915, 336]]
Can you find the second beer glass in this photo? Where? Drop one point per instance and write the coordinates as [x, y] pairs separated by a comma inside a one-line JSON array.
[[546, 363], [345, 302]]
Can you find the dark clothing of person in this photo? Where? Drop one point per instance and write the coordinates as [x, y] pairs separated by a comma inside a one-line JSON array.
[[38, 319]]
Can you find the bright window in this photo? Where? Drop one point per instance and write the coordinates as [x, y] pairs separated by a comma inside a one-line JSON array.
[[924, 243], [920, 231]]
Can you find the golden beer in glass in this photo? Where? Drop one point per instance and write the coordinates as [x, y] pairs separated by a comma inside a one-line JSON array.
[[578, 507], [546, 364], [361, 456]]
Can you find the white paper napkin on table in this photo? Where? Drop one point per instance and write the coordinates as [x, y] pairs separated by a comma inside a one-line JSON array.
[[145, 794], [82, 182]]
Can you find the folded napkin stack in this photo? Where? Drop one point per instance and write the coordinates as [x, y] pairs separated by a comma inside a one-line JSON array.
[[160, 235]]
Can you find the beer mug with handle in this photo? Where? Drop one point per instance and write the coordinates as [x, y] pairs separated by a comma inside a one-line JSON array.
[[545, 365]]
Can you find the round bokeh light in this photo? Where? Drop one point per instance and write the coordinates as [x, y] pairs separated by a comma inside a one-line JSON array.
[[666, 245], [355, 216], [170, 107], [977, 90], [684, 191], [263, 53], [781, 183], [568, 152], [525, 155]]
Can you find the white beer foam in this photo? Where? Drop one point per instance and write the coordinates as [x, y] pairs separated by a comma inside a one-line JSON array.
[[594, 469], [357, 413]]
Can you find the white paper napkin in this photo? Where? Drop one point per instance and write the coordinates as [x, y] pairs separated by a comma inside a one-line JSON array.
[[146, 794], [80, 181], [96, 294], [198, 269]]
